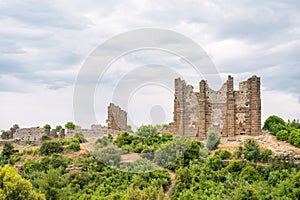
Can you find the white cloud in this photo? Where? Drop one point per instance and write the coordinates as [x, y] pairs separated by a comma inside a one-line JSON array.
[[280, 103], [43, 45]]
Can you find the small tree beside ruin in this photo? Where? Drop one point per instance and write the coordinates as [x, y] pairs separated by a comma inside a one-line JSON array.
[[16, 126], [213, 140], [47, 127], [58, 128], [70, 126]]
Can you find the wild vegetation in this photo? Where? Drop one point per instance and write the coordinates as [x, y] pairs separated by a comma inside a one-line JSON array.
[[285, 131], [61, 169]]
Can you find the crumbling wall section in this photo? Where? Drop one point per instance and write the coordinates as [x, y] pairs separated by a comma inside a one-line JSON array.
[[226, 111], [30, 134], [94, 131], [186, 110], [117, 118], [217, 110]]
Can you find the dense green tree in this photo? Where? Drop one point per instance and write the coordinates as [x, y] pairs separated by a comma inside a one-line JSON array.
[[273, 119], [16, 126], [47, 127], [70, 126], [50, 147], [58, 128], [51, 182], [7, 152], [13, 186]]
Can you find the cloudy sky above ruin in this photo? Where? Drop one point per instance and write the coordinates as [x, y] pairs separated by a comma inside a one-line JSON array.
[[43, 45]]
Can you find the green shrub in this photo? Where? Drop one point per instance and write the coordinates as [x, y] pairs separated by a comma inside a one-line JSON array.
[[223, 154], [45, 138], [294, 137], [214, 162], [109, 156], [101, 142], [283, 135], [275, 128], [165, 137], [80, 137], [123, 138], [251, 150], [234, 166], [110, 137], [146, 131], [213, 140], [265, 155], [148, 153], [7, 152], [250, 174], [74, 145], [50, 147], [63, 141]]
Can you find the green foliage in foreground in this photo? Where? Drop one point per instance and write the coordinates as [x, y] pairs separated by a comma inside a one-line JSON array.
[[236, 181], [103, 175], [13, 186]]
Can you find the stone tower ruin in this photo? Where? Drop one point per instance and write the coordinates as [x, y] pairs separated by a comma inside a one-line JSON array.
[[226, 111], [116, 118]]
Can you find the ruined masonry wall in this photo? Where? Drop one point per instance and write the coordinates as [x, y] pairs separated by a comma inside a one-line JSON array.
[[186, 109], [226, 111], [31, 134], [117, 118]]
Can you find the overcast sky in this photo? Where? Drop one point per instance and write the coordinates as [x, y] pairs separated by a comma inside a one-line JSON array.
[[43, 45]]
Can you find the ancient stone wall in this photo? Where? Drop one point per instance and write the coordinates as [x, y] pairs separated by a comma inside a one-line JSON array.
[[117, 121], [94, 131], [226, 111], [117, 118], [186, 109], [30, 134]]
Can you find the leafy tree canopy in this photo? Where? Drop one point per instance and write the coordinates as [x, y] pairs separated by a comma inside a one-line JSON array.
[[13, 186], [70, 125], [273, 119]]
